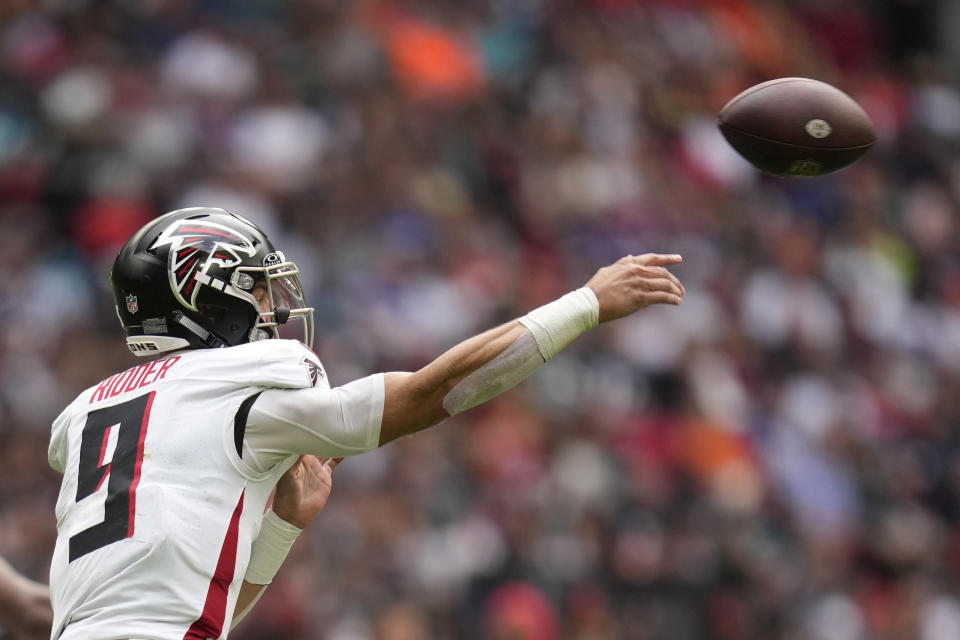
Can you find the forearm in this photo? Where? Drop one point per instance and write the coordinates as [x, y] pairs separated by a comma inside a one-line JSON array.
[[301, 494], [269, 551], [414, 401], [249, 594], [483, 366], [460, 361]]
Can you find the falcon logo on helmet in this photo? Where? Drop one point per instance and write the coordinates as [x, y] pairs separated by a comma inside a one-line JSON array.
[[196, 246]]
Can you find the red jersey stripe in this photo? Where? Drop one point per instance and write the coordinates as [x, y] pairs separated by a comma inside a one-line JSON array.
[[210, 622], [132, 509], [103, 452]]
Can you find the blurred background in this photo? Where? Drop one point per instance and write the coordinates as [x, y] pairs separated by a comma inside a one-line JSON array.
[[776, 459]]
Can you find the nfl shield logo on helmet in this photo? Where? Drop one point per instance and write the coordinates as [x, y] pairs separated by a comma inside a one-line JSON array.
[[132, 305]]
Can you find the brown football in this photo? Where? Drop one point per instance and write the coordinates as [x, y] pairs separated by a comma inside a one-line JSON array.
[[796, 127]]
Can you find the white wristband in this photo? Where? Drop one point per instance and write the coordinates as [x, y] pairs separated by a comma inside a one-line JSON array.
[[556, 324], [270, 548]]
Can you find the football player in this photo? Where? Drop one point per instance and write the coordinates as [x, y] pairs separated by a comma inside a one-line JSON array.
[[168, 466]]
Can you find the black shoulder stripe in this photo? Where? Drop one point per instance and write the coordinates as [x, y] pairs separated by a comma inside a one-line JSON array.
[[240, 421]]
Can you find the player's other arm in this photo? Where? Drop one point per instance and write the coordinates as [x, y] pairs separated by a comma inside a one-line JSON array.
[[301, 494], [485, 365]]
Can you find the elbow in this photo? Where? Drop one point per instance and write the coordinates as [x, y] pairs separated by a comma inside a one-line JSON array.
[[426, 401], [421, 392]]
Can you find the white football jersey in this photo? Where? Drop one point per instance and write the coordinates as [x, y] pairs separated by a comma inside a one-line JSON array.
[[163, 495]]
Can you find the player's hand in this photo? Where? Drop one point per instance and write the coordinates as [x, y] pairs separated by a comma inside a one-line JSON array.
[[634, 282], [303, 490]]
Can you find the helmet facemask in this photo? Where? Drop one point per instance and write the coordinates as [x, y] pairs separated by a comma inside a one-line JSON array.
[[286, 304]]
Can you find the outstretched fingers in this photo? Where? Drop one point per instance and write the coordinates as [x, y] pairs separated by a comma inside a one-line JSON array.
[[662, 284], [635, 282], [657, 259], [656, 283], [661, 297], [663, 272]]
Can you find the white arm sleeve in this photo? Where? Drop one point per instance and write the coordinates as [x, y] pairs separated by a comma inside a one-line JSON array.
[[549, 329], [338, 422], [508, 369]]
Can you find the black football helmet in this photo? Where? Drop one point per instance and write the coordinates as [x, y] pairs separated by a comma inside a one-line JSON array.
[[192, 278]]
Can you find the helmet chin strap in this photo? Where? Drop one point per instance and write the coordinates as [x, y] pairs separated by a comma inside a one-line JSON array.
[[209, 339]]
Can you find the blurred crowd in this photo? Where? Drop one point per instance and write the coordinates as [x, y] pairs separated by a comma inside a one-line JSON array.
[[775, 459]]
